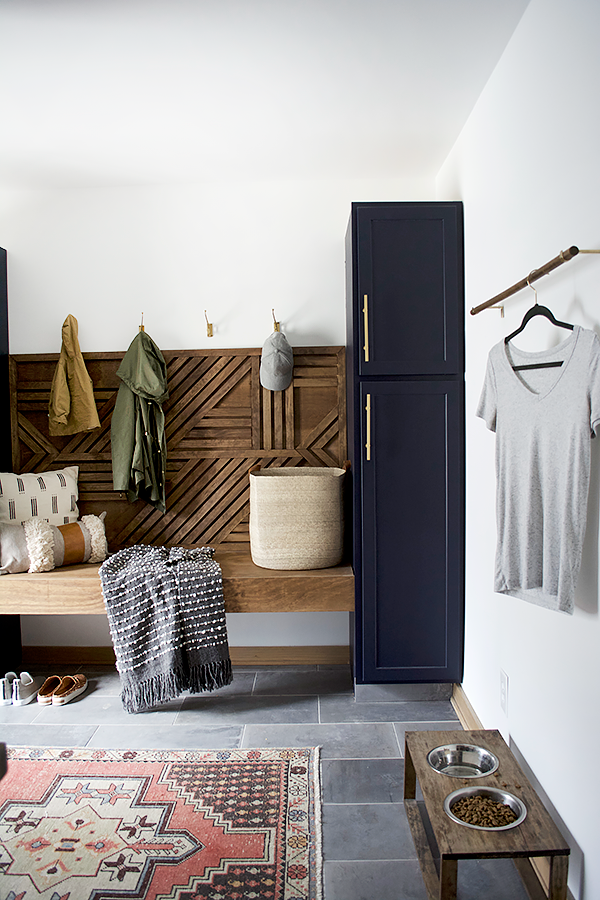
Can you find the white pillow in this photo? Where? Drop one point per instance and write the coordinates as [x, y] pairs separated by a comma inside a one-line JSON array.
[[37, 546], [48, 495]]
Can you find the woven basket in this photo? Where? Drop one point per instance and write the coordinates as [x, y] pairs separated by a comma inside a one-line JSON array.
[[296, 517]]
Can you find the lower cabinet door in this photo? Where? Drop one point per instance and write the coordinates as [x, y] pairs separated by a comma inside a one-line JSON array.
[[412, 525]]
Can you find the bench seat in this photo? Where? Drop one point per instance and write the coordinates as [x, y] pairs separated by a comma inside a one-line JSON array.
[[76, 590]]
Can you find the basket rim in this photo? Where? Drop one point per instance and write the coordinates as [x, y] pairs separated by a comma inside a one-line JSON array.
[[304, 471]]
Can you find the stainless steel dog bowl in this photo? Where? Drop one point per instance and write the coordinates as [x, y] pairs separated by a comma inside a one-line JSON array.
[[500, 796], [462, 760]]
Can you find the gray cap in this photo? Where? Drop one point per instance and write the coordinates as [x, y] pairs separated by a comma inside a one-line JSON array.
[[276, 363]]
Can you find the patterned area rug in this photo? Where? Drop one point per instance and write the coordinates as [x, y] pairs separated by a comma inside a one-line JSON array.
[[160, 825]]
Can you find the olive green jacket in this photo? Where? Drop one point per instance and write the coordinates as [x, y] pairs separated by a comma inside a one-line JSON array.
[[72, 406], [138, 443]]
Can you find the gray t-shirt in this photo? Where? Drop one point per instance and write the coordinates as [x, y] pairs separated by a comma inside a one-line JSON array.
[[543, 419]]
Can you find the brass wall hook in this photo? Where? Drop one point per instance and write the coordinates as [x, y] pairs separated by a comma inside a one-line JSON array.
[[141, 328], [209, 328], [276, 324]]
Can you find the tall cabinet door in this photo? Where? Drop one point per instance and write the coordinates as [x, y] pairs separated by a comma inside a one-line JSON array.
[[412, 511], [409, 288]]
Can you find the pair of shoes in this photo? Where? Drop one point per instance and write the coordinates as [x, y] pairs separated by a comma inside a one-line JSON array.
[[57, 690], [18, 691]]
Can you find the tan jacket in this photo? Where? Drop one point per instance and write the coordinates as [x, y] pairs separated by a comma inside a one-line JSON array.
[[72, 405]]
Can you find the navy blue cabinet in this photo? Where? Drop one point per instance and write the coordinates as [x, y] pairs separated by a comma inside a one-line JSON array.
[[405, 379], [5, 444], [10, 626]]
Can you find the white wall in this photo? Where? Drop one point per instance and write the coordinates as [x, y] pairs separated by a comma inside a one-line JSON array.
[[526, 166], [236, 249]]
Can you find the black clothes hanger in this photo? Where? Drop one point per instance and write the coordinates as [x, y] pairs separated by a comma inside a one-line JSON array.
[[537, 310]]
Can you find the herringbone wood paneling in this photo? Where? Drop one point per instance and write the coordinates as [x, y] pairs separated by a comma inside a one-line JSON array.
[[219, 423]]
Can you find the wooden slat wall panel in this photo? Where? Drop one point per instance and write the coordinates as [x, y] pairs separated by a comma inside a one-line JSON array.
[[219, 423]]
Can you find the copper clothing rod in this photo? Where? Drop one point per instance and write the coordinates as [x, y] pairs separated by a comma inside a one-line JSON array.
[[563, 257]]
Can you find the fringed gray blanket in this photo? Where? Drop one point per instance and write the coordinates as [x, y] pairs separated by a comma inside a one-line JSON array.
[[167, 622]]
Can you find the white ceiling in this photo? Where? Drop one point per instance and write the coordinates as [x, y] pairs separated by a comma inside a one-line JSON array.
[[98, 92]]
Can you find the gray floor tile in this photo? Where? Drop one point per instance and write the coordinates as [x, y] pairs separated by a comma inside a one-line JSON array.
[[239, 709], [181, 737], [104, 710], [368, 880], [363, 780], [341, 708], [12, 715], [402, 727], [494, 879], [47, 735], [336, 741], [102, 681], [243, 683], [336, 680], [366, 831]]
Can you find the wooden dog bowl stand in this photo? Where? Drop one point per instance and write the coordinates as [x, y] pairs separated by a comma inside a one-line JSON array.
[[537, 835]]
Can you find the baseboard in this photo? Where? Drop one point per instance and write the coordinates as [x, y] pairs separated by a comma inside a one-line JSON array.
[[67, 656], [240, 656], [463, 709], [291, 656]]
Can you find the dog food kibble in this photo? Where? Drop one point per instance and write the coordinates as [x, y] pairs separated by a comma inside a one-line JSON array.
[[483, 811]]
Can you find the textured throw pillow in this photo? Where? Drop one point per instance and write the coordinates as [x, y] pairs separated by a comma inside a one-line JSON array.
[[47, 495], [37, 546]]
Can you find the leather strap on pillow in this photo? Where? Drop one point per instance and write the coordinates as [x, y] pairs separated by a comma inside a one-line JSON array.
[[74, 541]]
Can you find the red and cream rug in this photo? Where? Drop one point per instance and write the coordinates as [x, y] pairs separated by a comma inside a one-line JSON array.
[[161, 825]]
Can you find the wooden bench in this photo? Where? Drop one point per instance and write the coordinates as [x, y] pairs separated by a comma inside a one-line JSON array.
[[246, 588], [220, 423]]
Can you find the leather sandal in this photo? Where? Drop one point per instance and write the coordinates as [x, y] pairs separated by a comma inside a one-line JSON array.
[[71, 686], [51, 684]]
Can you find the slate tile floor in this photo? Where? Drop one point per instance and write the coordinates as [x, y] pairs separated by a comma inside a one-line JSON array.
[[368, 849]]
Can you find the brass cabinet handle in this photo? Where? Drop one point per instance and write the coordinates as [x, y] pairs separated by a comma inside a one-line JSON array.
[[368, 409], [366, 320]]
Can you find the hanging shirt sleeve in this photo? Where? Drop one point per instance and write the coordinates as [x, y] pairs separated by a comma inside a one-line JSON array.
[[595, 386], [488, 402]]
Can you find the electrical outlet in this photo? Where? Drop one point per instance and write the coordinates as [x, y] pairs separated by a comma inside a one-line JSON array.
[[504, 691]]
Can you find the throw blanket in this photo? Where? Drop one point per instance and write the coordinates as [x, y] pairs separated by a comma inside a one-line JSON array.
[[167, 622]]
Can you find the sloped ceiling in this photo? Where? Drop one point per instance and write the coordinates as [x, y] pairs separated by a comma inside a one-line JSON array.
[[114, 92]]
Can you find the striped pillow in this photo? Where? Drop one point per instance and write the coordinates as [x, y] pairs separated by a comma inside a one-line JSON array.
[[48, 495]]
